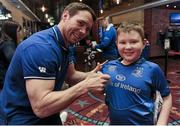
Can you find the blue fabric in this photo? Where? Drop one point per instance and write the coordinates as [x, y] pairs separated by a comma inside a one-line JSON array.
[[129, 93], [41, 56], [72, 54], [108, 44]]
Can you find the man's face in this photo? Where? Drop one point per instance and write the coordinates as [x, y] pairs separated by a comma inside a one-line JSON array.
[[76, 27], [130, 46]]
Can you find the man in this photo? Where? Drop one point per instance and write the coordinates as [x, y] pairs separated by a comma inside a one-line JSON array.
[[31, 93], [108, 41]]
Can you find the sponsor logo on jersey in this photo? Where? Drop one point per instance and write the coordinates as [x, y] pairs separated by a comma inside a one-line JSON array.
[[120, 77], [126, 87]]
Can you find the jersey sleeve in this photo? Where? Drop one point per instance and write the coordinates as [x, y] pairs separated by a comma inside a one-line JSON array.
[[39, 62], [160, 82]]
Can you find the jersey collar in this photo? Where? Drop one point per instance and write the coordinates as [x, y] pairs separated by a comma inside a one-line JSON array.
[[59, 38]]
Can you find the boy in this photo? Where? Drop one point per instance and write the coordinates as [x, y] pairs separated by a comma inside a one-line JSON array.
[[129, 94]]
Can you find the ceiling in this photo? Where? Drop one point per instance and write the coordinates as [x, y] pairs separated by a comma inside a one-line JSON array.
[[55, 7]]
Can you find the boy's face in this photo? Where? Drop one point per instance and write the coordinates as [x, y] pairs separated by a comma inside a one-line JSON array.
[[76, 27], [130, 46]]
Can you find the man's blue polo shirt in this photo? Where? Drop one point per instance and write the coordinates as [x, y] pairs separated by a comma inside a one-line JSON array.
[[41, 56]]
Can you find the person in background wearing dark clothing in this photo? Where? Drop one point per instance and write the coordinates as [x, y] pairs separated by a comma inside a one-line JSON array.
[[32, 90], [146, 50], [8, 42], [108, 41]]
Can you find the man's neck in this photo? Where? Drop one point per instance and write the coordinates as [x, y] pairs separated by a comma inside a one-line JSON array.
[[60, 26]]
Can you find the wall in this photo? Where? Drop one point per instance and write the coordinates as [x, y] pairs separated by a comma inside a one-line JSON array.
[[16, 13], [155, 20], [129, 17]]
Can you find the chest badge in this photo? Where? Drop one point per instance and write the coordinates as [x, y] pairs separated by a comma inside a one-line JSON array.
[[138, 72]]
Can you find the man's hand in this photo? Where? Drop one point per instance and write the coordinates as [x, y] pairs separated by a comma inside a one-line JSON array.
[[98, 67], [95, 80]]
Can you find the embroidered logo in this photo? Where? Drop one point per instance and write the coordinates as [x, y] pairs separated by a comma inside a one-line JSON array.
[[138, 72], [111, 68], [120, 77], [42, 69]]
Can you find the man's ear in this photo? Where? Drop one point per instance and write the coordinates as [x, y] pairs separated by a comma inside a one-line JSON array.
[[65, 15]]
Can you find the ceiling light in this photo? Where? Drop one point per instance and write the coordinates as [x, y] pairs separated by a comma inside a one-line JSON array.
[[43, 8], [117, 1], [46, 15], [174, 6], [167, 5], [101, 11], [48, 20]]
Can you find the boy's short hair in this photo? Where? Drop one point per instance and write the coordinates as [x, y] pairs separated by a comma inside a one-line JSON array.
[[74, 7], [129, 26]]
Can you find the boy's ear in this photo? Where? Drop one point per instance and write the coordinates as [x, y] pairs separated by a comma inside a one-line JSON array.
[[144, 42]]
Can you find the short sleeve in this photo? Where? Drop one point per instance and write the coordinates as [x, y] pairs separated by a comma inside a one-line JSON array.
[[39, 62], [160, 82]]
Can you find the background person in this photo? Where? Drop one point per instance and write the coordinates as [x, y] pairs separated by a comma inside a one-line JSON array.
[[129, 95], [8, 42], [32, 89], [108, 41]]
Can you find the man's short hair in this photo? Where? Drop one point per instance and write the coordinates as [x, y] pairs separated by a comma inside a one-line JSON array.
[[74, 7]]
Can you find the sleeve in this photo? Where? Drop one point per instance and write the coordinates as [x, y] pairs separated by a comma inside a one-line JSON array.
[[8, 49], [39, 62], [106, 40], [160, 82]]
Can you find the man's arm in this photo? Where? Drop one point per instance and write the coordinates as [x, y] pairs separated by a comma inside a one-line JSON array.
[[74, 76], [165, 111], [45, 101]]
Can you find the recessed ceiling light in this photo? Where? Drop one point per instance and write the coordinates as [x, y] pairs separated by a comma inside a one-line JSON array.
[[43, 8]]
